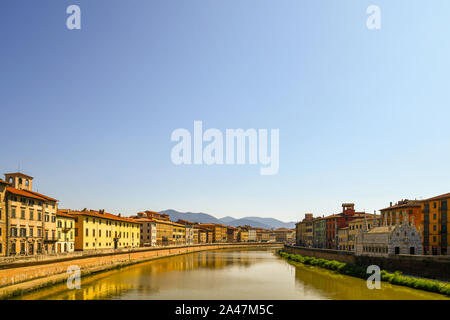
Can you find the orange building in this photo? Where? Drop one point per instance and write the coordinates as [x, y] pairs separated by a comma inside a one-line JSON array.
[[436, 225], [412, 208]]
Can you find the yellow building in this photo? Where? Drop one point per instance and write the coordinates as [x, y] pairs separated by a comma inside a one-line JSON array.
[[65, 232], [179, 234], [30, 217], [164, 233], [219, 232], [243, 234], [202, 234], [436, 225], [96, 230], [196, 235], [343, 238]]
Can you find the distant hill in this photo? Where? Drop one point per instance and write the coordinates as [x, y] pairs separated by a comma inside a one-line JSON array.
[[256, 222], [227, 219], [191, 216], [275, 223], [248, 222]]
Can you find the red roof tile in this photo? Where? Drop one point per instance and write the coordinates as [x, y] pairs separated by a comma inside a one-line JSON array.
[[42, 196], [442, 196], [65, 215], [24, 193], [97, 214]]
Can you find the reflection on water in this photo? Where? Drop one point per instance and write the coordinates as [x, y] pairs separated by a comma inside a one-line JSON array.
[[225, 274]]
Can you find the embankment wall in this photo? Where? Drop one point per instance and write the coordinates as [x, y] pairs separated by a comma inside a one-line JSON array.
[[432, 267]]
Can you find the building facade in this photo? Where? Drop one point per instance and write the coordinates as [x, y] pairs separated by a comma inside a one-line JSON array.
[[319, 233], [355, 226], [399, 238], [147, 231], [65, 232], [232, 234], [201, 234], [304, 231], [436, 225], [189, 231], [251, 234], [343, 239], [219, 232], [285, 235], [30, 218], [97, 230], [243, 234], [340, 220]]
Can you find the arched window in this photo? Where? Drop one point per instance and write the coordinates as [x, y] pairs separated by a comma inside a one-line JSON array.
[[27, 183], [20, 181]]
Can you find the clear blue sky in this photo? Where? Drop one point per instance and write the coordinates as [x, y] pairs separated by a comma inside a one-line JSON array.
[[363, 114]]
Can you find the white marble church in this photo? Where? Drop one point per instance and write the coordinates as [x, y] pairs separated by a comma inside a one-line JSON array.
[[399, 238]]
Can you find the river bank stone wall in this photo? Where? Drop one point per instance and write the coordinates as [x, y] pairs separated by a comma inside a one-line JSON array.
[[432, 267]]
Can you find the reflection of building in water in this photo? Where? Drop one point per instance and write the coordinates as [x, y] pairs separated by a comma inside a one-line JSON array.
[[101, 290], [401, 238]]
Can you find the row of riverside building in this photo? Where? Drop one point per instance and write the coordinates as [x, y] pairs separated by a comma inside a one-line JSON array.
[[406, 227], [32, 224]]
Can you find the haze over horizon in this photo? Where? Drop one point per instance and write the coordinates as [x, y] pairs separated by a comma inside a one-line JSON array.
[[362, 114]]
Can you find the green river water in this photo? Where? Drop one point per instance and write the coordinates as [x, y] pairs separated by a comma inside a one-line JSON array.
[[225, 274]]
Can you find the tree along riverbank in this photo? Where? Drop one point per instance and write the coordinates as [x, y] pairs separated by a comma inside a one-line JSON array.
[[395, 278]]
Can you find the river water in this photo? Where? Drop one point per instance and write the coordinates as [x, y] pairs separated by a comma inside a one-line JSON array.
[[225, 274]]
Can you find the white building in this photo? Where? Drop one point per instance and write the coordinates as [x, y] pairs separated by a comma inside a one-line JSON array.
[[251, 234], [385, 240]]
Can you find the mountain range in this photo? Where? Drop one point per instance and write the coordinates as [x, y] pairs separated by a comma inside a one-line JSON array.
[[256, 222]]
